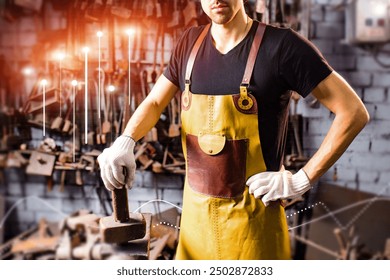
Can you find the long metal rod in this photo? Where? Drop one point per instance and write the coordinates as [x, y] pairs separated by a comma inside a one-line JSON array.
[[60, 74], [86, 96], [44, 106], [99, 78], [129, 69], [74, 124], [332, 213], [315, 245]]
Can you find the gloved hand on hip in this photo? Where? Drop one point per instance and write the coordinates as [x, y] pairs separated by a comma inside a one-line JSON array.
[[274, 185], [114, 160]]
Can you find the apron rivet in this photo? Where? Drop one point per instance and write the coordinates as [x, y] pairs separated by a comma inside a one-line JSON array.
[[210, 151]]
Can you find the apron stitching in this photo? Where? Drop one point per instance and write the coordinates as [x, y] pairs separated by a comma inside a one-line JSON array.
[[215, 206], [211, 113]]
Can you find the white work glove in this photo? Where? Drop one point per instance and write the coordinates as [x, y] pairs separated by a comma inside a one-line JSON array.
[[274, 185], [117, 163]]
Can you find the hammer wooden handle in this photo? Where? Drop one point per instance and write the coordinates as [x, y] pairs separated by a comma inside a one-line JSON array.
[[120, 205]]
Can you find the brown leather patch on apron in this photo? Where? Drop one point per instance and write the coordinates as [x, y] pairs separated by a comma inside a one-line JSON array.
[[252, 110], [220, 175]]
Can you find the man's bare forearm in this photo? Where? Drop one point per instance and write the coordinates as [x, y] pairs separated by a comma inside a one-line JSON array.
[[149, 111], [350, 118], [143, 120], [340, 135]]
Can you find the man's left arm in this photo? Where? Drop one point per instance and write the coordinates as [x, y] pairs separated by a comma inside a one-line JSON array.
[[350, 118]]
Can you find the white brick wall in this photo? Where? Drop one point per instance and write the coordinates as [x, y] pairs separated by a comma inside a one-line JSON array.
[[357, 78], [329, 30], [368, 63], [381, 80], [366, 163], [375, 95]]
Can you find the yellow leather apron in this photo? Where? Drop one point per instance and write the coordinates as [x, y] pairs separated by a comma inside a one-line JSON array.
[[220, 219]]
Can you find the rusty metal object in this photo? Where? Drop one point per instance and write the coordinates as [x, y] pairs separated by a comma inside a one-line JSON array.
[[315, 245], [122, 226], [41, 164], [157, 246], [350, 247], [81, 240], [5, 249], [41, 243]]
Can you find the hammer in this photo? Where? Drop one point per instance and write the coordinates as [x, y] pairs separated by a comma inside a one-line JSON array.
[[121, 226]]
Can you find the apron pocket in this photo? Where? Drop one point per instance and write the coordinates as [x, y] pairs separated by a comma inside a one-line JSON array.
[[218, 175]]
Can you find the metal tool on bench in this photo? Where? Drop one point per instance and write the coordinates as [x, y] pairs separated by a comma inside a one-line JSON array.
[[41, 163], [123, 226], [130, 231], [86, 162]]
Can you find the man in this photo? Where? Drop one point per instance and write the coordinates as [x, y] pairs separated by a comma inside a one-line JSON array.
[[236, 78]]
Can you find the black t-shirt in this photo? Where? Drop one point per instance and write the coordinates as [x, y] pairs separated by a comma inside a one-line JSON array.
[[286, 61]]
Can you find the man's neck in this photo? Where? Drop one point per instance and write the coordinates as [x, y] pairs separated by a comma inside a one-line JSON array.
[[227, 36]]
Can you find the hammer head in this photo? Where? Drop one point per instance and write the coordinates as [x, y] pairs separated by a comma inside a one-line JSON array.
[[112, 231]]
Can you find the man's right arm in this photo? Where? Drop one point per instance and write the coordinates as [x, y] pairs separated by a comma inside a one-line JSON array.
[[117, 163], [148, 112]]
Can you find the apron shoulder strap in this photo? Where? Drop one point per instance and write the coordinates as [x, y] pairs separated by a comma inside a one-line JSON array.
[[194, 52], [253, 54], [251, 58]]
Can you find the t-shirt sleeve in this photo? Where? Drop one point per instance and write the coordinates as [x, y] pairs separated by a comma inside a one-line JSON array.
[[173, 71], [301, 64]]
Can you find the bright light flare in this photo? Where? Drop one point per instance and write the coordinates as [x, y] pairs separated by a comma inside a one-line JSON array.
[[27, 71], [60, 56], [130, 31], [111, 88], [379, 8]]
